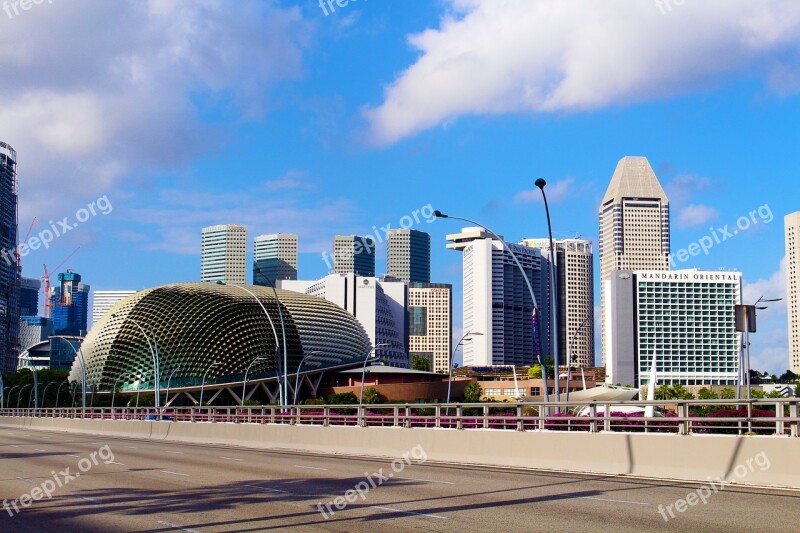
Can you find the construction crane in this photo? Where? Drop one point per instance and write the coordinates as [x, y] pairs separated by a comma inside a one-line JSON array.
[[46, 282], [20, 243]]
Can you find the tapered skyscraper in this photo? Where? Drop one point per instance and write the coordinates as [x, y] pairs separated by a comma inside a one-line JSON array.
[[9, 275], [634, 225], [793, 288]]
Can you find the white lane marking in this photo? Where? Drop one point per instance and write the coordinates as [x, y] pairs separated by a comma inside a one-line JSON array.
[[176, 526], [310, 467], [607, 500], [426, 480], [176, 453], [14, 446], [26, 480], [175, 473], [409, 512], [39, 450], [115, 463], [71, 455], [230, 459], [265, 488], [132, 447], [85, 498]]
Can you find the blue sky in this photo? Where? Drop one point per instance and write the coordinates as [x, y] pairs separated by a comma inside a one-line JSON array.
[[274, 115]]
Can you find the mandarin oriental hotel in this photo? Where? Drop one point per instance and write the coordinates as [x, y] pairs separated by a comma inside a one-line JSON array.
[[685, 319]]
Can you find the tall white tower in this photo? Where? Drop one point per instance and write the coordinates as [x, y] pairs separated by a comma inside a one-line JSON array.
[[224, 254], [792, 223], [274, 258]]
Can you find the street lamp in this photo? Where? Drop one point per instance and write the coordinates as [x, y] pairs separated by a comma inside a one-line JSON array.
[[553, 291], [244, 384], [79, 354], [139, 386], [10, 391], [203, 383], [364, 370], [297, 374], [452, 360], [58, 393], [166, 398], [274, 332], [569, 355], [35, 390], [747, 336], [439, 214], [44, 392], [154, 353], [114, 390], [19, 396]]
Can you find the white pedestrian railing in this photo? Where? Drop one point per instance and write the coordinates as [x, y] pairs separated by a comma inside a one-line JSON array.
[[684, 417]]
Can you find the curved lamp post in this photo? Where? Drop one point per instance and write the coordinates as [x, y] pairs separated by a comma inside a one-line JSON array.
[[452, 360], [35, 391], [58, 393], [169, 380], [553, 292], [154, 353], [19, 395], [439, 214], [297, 374], [283, 335], [79, 354], [274, 332], [10, 391], [139, 386], [244, 384], [114, 390], [569, 355], [747, 339], [364, 370], [44, 392], [203, 383]]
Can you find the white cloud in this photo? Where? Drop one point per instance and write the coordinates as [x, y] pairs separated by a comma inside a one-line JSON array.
[[508, 56], [95, 92], [685, 187], [556, 193], [695, 215], [769, 346]]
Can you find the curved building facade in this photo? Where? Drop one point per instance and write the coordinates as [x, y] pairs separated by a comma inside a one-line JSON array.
[[193, 325]]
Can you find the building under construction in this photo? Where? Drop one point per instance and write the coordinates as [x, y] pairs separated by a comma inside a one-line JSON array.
[[9, 274]]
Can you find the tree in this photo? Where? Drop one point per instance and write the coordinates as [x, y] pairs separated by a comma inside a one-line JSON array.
[[345, 398], [706, 394], [788, 377], [371, 395], [727, 394], [472, 392], [664, 392], [535, 372], [679, 392], [420, 362]]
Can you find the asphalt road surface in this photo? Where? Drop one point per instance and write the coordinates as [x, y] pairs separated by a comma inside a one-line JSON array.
[[137, 485]]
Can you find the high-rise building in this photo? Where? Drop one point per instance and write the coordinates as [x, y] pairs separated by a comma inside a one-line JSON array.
[[9, 275], [103, 301], [274, 258], [497, 302], [430, 318], [70, 305], [33, 330], [378, 304], [224, 254], [634, 225], [354, 254], [575, 302], [683, 318], [408, 255], [792, 224], [29, 296]]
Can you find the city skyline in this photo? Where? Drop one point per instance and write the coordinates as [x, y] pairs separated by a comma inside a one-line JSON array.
[[296, 145]]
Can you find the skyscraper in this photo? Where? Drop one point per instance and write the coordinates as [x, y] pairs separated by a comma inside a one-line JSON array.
[[497, 302], [352, 253], [634, 225], [29, 297], [408, 255], [224, 254], [792, 224], [9, 275], [575, 281], [274, 258], [70, 304], [103, 301], [430, 311]]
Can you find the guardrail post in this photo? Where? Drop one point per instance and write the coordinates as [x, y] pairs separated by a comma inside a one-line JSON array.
[[437, 410], [749, 416], [607, 417], [593, 418], [778, 418], [794, 423], [396, 414], [407, 421], [520, 421], [683, 425], [459, 420], [485, 416]]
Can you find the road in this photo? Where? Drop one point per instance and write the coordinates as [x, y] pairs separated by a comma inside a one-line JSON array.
[[140, 485]]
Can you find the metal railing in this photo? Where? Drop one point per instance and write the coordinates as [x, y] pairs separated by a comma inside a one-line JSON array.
[[683, 417]]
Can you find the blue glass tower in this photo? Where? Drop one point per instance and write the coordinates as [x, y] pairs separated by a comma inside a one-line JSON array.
[[70, 304]]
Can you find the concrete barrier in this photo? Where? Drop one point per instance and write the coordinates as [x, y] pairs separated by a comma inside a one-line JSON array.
[[746, 460]]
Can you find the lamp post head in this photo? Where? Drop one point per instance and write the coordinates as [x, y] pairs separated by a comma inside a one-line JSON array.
[[540, 183], [439, 214]]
